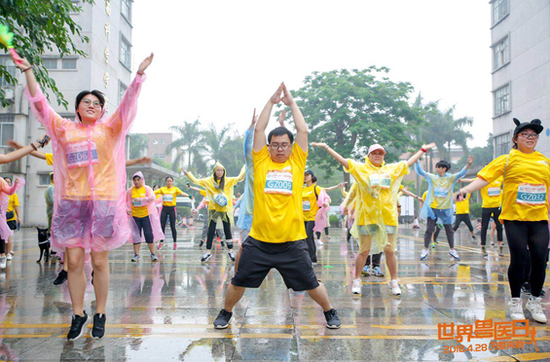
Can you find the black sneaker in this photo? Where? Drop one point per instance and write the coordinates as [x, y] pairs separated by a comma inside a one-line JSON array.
[[98, 330], [333, 321], [61, 277], [92, 277], [78, 324], [223, 319]]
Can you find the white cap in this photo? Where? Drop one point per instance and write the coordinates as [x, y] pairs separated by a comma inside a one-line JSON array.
[[375, 147]]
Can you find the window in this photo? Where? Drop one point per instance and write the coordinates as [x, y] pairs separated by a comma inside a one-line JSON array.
[[501, 53], [502, 100], [155, 142], [10, 68], [44, 179], [7, 127], [50, 64], [163, 142], [126, 9], [68, 63], [125, 52], [502, 144], [121, 90], [158, 155], [500, 10]]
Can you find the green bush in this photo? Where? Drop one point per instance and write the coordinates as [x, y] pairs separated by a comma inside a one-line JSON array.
[[184, 211], [334, 221], [475, 210]]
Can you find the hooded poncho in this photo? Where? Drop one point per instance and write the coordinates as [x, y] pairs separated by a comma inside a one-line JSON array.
[[150, 200]]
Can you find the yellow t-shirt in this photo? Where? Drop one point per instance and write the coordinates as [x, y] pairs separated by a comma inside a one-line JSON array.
[[169, 195], [463, 207], [309, 202], [137, 209], [492, 194], [13, 201], [278, 215], [49, 159], [377, 189], [525, 192]]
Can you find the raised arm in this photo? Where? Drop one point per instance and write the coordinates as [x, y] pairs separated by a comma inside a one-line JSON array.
[[282, 117], [340, 185], [475, 185], [408, 193], [141, 160], [425, 148], [197, 181], [299, 121], [249, 140], [344, 162], [419, 170], [16, 145], [263, 120], [25, 67], [466, 180]]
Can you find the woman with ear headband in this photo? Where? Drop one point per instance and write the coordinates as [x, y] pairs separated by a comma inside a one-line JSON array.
[[524, 213]]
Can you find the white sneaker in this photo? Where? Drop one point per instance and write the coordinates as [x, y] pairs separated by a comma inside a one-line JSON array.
[[205, 257], [3, 262], [424, 254], [231, 255], [516, 309], [356, 286], [395, 290], [454, 255], [9, 257], [534, 306]]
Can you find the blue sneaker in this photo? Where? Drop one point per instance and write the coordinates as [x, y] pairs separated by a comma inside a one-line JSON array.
[[367, 270], [377, 272]]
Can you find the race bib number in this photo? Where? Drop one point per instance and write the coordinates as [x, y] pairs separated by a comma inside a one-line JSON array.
[[531, 194], [306, 206], [78, 156], [380, 180], [168, 198], [441, 192], [493, 191], [278, 182], [136, 203]]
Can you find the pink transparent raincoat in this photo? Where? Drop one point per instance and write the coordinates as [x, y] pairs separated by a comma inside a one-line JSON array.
[[89, 174], [150, 200], [5, 191], [321, 216]]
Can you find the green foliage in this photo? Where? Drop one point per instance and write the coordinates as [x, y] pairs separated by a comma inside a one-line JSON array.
[[40, 26], [482, 155], [138, 144], [183, 211], [475, 210], [334, 221], [189, 142], [163, 163]]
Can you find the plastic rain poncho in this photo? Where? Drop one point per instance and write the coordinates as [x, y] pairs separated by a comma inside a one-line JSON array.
[[439, 195], [89, 174], [247, 200], [5, 191], [150, 200], [321, 216]]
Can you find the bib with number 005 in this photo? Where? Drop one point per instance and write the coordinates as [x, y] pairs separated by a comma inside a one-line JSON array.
[[493, 191], [380, 180], [136, 203], [168, 198], [306, 206], [531, 194], [441, 192], [220, 199], [278, 182], [77, 154]]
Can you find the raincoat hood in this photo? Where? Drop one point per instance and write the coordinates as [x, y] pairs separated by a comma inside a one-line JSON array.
[[138, 174], [216, 166]]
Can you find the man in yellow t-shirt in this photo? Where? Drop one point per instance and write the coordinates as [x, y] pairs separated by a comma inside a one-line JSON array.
[[276, 239]]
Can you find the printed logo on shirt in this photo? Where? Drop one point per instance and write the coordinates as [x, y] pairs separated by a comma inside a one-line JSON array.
[[77, 154], [136, 203], [531, 194], [278, 182], [543, 162], [493, 191], [306, 206], [441, 192], [380, 180], [167, 198]]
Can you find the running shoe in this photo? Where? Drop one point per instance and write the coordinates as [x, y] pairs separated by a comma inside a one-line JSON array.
[[205, 257], [98, 330], [231, 255], [135, 258], [356, 286], [484, 252], [3, 262], [454, 255], [175, 247], [333, 321], [366, 270], [474, 241], [377, 272], [395, 290], [424, 254], [161, 244], [433, 244], [9, 257], [201, 243], [223, 319], [13, 252], [516, 309], [534, 306], [526, 289], [500, 251], [61, 277], [154, 258], [78, 324]]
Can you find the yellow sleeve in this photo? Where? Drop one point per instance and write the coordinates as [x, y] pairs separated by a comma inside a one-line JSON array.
[[401, 169], [158, 192], [299, 155], [401, 187], [344, 192], [231, 181], [179, 192], [351, 195], [197, 181], [259, 157], [15, 200], [49, 159], [494, 170], [203, 193], [424, 195]]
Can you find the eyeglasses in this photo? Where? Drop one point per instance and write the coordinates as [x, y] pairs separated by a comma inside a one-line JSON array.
[[276, 146], [529, 136], [88, 102]]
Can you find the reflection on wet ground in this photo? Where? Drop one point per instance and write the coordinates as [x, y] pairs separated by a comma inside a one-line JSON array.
[[164, 311]]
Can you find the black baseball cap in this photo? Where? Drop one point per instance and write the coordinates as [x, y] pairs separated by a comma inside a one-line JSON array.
[[535, 125]]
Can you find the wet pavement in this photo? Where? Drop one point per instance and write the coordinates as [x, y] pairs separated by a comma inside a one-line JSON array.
[[164, 311]]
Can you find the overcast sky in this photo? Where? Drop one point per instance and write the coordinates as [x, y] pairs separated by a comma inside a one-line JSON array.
[[217, 60]]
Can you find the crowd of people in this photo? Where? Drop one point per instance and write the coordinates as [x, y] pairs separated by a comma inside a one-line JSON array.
[[281, 213]]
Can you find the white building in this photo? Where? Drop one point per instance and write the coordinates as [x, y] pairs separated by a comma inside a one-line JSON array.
[[520, 43], [107, 68]]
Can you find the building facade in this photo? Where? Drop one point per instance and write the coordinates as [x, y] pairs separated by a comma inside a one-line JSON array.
[[156, 146], [520, 46]]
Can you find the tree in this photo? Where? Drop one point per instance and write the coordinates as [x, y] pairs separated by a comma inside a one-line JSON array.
[[215, 142], [352, 109], [189, 141], [138, 144], [39, 26]]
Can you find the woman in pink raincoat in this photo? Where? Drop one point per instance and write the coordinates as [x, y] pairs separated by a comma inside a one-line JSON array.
[[5, 232], [141, 204], [89, 203]]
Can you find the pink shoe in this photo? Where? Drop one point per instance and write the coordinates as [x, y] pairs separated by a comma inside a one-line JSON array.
[[161, 244], [175, 246]]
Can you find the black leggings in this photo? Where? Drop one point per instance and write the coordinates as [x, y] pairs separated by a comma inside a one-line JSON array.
[[169, 210], [2, 246], [520, 235], [430, 228], [318, 233], [486, 213], [465, 218], [310, 241], [375, 260], [212, 231]]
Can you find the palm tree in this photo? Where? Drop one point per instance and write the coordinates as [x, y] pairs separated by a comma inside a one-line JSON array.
[[138, 145], [216, 142], [189, 142]]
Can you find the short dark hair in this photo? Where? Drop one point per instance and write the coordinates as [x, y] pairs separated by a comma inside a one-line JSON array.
[[445, 164], [8, 178], [83, 94], [280, 131], [167, 177], [138, 176]]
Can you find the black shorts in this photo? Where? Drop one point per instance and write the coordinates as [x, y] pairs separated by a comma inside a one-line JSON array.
[[12, 224], [291, 259]]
